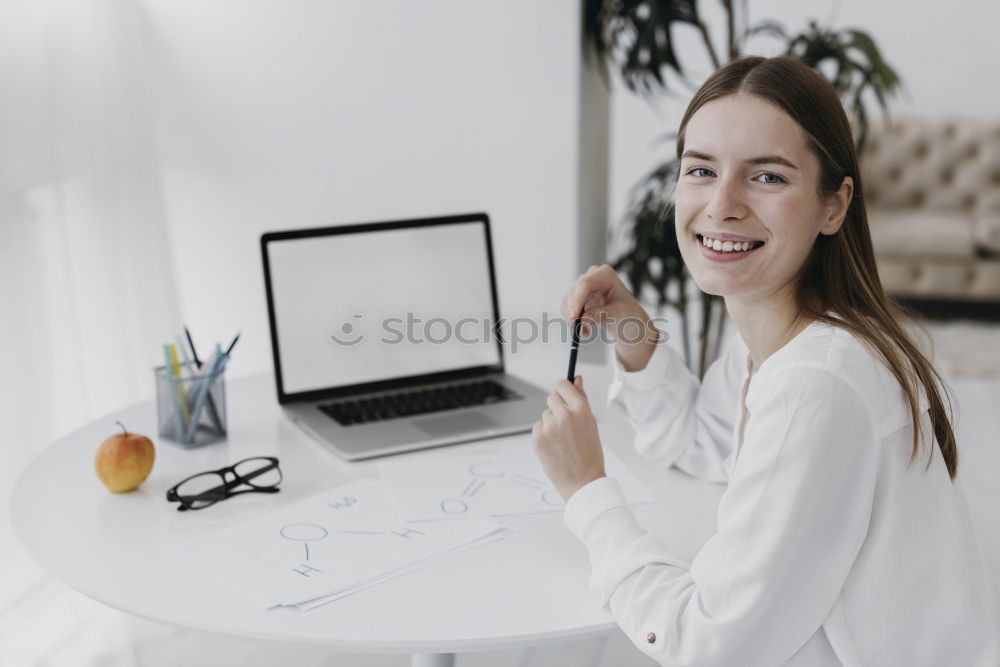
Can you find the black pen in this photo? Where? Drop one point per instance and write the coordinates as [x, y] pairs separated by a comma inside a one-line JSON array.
[[232, 345], [571, 374], [194, 352]]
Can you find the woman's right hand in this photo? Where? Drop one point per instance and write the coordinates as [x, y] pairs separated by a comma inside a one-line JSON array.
[[602, 297]]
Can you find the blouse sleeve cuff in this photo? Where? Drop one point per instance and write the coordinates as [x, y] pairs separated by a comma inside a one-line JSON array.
[[654, 372], [591, 501]]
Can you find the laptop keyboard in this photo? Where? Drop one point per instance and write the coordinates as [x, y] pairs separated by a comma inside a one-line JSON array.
[[417, 401]]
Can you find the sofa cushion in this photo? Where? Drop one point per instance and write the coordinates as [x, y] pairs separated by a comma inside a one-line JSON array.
[[919, 233], [942, 278], [950, 165], [986, 233]]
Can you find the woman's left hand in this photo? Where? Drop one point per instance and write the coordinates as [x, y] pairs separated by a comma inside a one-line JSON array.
[[566, 439]]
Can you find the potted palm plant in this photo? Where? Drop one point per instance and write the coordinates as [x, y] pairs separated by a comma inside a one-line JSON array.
[[635, 38]]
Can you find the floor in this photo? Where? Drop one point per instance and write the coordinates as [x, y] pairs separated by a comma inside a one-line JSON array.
[[43, 623]]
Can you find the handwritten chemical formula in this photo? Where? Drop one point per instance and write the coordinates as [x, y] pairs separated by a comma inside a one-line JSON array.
[[329, 545], [503, 483], [312, 534], [484, 472]]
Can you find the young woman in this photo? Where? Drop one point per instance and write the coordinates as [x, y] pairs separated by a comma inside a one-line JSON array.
[[834, 545]]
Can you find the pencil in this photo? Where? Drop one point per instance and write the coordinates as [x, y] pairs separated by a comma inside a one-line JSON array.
[[213, 412], [176, 368], [202, 391]]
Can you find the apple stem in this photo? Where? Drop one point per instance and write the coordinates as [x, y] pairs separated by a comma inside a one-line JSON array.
[[122, 425]]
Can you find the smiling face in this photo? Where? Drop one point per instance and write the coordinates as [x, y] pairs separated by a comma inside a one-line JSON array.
[[748, 179]]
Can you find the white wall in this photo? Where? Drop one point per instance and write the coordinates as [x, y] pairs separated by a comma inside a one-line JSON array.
[[313, 112], [309, 113], [944, 52]]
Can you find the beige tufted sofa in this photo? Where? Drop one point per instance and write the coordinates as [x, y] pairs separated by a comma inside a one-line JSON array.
[[932, 187]]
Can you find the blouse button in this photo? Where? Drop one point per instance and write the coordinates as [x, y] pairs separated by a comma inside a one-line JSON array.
[[651, 638]]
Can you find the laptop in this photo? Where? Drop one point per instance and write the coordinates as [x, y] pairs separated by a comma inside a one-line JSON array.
[[386, 336]]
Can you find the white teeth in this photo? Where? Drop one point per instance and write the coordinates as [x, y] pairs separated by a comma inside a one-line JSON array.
[[726, 246]]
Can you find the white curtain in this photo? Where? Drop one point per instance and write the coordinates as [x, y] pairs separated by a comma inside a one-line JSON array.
[[87, 292]]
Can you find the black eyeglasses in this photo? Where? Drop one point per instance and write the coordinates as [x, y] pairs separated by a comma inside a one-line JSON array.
[[260, 473]]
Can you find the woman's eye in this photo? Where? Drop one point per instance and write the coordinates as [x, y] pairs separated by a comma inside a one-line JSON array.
[[692, 172], [770, 178]]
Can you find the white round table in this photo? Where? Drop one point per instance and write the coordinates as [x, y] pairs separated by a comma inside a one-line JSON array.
[[528, 588]]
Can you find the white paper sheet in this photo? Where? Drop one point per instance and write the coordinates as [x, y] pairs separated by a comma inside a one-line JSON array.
[[502, 484], [319, 602], [332, 543]]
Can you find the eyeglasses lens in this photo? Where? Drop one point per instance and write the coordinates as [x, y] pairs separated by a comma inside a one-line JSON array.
[[259, 473], [202, 490]]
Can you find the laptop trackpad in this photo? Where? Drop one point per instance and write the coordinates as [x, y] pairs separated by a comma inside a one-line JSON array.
[[453, 424]]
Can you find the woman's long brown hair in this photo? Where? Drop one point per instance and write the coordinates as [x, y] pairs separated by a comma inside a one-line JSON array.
[[840, 274]]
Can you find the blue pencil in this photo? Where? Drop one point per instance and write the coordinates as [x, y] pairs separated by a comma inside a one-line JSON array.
[[202, 389], [213, 411]]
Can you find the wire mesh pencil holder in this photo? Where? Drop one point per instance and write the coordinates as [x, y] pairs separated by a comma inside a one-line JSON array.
[[190, 407]]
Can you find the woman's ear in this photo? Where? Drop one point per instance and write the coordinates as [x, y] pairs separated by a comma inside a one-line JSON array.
[[836, 207]]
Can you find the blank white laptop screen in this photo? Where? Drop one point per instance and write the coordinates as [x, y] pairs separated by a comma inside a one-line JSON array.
[[392, 298]]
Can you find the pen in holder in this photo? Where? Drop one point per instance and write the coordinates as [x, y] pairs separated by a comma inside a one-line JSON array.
[[191, 406]]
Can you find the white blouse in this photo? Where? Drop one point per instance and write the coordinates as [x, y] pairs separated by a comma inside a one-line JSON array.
[[830, 549]]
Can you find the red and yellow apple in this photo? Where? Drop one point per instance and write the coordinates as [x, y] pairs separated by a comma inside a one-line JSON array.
[[124, 460]]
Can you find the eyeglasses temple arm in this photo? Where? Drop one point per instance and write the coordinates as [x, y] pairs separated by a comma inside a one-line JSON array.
[[255, 473]]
